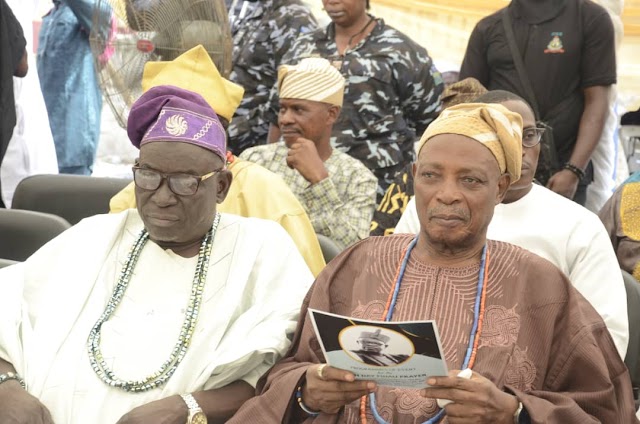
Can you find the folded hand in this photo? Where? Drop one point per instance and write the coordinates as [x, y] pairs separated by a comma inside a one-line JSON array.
[[17, 406], [476, 400], [332, 388], [171, 410]]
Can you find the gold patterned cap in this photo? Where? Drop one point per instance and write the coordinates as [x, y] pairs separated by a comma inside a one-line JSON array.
[[493, 125], [195, 71], [463, 91], [312, 79]]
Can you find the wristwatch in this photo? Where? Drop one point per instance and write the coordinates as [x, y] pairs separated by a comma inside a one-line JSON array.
[[517, 414], [196, 416], [12, 376]]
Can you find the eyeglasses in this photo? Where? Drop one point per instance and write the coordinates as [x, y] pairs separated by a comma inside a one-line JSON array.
[[532, 136], [180, 184]]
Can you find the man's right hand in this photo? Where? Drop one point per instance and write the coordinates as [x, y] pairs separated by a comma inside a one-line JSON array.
[[17, 406], [333, 389], [303, 156]]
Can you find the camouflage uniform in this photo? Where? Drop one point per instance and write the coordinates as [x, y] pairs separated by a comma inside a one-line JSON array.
[[392, 93], [261, 37]]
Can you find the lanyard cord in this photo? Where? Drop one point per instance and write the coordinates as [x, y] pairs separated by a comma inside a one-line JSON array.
[[474, 335]]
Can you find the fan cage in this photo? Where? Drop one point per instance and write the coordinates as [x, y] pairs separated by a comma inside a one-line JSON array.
[[126, 34]]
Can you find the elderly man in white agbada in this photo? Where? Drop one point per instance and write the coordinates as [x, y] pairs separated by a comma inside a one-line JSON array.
[[165, 314]]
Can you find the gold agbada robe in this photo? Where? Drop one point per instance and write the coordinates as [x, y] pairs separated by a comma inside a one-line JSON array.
[[541, 340], [621, 217]]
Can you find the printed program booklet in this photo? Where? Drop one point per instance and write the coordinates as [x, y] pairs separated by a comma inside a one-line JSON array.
[[396, 353]]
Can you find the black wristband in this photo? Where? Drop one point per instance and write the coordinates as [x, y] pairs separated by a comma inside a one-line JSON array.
[[571, 167]]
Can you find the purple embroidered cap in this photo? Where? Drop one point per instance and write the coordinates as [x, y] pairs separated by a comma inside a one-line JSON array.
[[168, 113]]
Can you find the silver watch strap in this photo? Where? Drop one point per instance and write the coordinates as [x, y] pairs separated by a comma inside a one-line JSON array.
[[12, 376]]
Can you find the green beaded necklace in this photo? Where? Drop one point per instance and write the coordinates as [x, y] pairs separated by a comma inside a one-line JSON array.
[[167, 369]]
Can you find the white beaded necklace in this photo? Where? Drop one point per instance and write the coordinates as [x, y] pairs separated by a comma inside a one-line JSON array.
[[167, 369]]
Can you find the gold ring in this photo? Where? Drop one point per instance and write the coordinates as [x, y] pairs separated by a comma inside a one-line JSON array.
[[319, 371]]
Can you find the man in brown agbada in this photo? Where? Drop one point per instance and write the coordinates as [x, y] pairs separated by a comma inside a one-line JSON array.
[[543, 353]]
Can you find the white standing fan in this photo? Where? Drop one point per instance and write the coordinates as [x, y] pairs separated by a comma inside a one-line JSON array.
[[126, 34]]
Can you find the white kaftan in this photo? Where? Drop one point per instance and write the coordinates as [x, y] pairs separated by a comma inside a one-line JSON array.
[[255, 285]]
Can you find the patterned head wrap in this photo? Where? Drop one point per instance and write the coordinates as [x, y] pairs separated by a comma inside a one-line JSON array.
[[497, 128], [312, 79], [167, 113]]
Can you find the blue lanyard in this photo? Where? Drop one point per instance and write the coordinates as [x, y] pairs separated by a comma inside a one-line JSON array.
[[472, 335]]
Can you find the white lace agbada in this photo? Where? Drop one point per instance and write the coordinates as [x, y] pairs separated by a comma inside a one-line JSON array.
[[255, 285]]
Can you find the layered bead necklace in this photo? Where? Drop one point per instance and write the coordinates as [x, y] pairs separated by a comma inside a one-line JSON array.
[[474, 335], [167, 369]]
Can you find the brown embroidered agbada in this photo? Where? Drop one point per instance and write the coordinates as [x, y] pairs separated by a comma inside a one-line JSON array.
[[541, 339]]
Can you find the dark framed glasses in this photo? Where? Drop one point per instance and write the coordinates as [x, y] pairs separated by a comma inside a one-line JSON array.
[[532, 136], [180, 184]]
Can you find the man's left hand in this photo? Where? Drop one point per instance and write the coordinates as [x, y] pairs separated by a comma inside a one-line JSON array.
[[171, 410], [303, 157], [564, 182], [474, 401]]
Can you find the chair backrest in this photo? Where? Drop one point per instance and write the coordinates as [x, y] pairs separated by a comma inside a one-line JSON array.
[[24, 232], [6, 262], [72, 197], [632, 358], [329, 247], [630, 139]]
